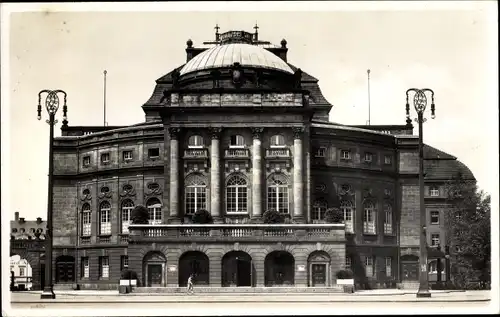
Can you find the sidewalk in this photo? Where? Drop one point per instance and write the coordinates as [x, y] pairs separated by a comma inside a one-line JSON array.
[[376, 292]]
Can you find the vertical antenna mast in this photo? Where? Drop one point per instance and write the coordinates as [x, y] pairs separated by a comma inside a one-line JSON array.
[[369, 110], [105, 72]]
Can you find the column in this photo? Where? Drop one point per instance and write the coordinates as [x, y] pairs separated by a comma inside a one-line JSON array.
[[257, 174], [298, 175], [174, 174], [215, 192]]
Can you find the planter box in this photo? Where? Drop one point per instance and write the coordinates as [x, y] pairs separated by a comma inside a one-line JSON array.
[[128, 282], [345, 281]]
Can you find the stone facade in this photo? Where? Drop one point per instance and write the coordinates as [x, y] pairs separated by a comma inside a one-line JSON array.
[[237, 142]]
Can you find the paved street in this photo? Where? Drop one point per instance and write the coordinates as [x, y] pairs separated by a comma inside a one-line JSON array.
[[370, 302]]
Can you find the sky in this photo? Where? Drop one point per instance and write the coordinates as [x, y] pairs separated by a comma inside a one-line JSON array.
[[452, 51]]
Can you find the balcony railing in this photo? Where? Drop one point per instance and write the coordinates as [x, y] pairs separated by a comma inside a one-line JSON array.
[[196, 153], [278, 153], [236, 153], [237, 232]]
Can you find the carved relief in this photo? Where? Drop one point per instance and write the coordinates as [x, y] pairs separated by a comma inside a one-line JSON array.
[[257, 132], [345, 190], [278, 166], [153, 189], [215, 132], [298, 132], [241, 166], [191, 167], [174, 133], [320, 188], [86, 195], [127, 190], [104, 193]]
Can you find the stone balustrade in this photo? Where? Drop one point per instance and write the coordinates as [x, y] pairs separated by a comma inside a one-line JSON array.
[[236, 153], [278, 153], [195, 153], [237, 232]]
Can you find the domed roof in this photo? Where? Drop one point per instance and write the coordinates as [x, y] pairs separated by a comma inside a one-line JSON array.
[[226, 55]]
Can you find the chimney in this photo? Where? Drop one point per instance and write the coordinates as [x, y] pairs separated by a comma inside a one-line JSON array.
[[16, 215], [21, 220], [38, 220]]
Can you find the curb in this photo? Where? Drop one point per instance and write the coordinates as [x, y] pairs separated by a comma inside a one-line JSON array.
[[250, 301]]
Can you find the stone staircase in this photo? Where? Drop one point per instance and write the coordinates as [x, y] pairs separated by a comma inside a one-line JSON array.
[[240, 290]]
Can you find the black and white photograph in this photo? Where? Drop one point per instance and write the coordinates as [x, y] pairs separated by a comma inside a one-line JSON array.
[[249, 158]]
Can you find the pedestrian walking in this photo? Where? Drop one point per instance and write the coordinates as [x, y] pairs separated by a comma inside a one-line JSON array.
[[190, 288]]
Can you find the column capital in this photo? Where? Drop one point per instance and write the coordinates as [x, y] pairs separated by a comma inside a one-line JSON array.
[[257, 132], [174, 132], [298, 132], [215, 133]]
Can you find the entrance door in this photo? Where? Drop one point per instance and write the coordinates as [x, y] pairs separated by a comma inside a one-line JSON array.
[[42, 276], [318, 274], [154, 275], [410, 271], [244, 273]]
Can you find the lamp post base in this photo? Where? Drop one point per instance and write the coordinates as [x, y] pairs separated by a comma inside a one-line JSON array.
[[48, 293], [423, 294]]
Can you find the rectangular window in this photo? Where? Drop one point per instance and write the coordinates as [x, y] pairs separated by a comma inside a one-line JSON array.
[[368, 157], [105, 158], [124, 262], [369, 266], [434, 217], [388, 221], [85, 270], [105, 222], [237, 141], [434, 192], [369, 221], [388, 266], [153, 152], [320, 152], [127, 155], [21, 271], [236, 199], [86, 223], [435, 239], [103, 267], [387, 160], [86, 160], [345, 154], [348, 263]]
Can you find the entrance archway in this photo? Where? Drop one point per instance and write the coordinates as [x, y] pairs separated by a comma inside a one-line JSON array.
[[153, 269], [65, 269], [318, 265], [237, 269], [409, 268], [279, 269], [197, 263]]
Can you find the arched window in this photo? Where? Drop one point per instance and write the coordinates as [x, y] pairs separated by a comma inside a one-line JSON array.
[[104, 216], [277, 193], [236, 194], [154, 209], [195, 141], [237, 141], [127, 206], [86, 220], [369, 218], [277, 141], [347, 210], [388, 218], [319, 210], [195, 194]]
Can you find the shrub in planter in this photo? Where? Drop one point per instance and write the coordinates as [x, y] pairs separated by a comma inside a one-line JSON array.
[[202, 216], [272, 216], [345, 275], [140, 215], [334, 215]]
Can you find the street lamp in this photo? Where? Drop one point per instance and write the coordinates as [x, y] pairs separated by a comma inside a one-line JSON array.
[[52, 105], [420, 103]]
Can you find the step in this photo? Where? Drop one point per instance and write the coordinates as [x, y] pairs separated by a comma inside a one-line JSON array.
[[240, 290]]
